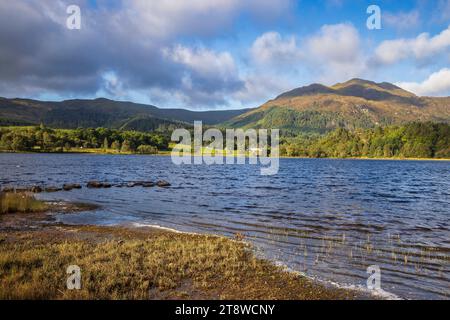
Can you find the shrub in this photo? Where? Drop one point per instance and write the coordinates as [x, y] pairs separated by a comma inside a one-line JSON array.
[[146, 149]]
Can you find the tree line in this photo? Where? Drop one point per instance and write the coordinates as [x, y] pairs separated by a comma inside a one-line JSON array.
[[414, 140], [44, 139]]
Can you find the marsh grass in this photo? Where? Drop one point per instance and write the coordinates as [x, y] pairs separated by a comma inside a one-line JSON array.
[[164, 266], [20, 203]]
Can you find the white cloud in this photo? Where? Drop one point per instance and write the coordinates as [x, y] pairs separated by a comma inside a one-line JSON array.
[[420, 48], [261, 86], [402, 20], [335, 51], [204, 62], [436, 84], [271, 49], [338, 43]]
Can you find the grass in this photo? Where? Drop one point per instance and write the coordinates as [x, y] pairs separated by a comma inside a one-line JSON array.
[[20, 203], [117, 263]]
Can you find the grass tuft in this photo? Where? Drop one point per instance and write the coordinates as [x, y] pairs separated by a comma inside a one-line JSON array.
[[20, 203]]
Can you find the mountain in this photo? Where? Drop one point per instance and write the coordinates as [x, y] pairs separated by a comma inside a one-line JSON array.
[[353, 104], [103, 113], [312, 109]]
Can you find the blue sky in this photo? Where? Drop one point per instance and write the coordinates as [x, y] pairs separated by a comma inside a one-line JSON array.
[[205, 55]]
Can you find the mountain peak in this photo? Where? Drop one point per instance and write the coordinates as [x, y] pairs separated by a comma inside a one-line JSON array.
[[312, 89], [358, 81], [355, 87]]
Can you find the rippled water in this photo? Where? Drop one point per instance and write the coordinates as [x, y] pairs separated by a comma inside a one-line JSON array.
[[328, 218]]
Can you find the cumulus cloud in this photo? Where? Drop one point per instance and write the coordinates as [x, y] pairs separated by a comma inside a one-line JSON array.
[[436, 84], [271, 49], [420, 48], [335, 51], [208, 75]]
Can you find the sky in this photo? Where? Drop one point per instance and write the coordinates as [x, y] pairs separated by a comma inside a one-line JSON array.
[[218, 54]]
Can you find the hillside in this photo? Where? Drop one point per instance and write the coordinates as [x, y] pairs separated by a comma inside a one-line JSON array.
[[72, 114], [354, 104]]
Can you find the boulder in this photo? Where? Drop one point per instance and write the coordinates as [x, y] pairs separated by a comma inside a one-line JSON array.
[[70, 186], [163, 184], [148, 184], [52, 189], [138, 183], [94, 185]]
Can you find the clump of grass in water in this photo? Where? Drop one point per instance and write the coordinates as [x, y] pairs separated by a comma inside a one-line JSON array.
[[20, 203]]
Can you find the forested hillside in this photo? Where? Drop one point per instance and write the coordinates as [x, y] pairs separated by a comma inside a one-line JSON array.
[[414, 140]]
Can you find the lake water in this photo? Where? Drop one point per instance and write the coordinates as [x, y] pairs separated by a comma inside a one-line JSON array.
[[329, 219]]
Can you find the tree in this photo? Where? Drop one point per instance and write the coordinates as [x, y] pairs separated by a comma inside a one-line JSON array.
[[105, 144], [19, 143], [116, 145], [126, 147]]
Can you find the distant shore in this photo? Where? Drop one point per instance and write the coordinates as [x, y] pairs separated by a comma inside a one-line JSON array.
[[168, 153], [139, 263]]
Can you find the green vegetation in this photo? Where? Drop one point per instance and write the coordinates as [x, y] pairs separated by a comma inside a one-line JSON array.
[[294, 122], [414, 140], [43, 139], [119, 263], [20, 203]]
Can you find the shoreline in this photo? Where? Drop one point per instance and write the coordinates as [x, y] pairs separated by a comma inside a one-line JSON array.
[[167, 154], [149, 263]]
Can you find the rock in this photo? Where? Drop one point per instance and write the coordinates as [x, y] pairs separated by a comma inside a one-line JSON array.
[[148, 184], [131, 184], [94, 185], [68, 187], [107, 185], [138, 183], [163, 184], [52, 189], [36, 189]]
